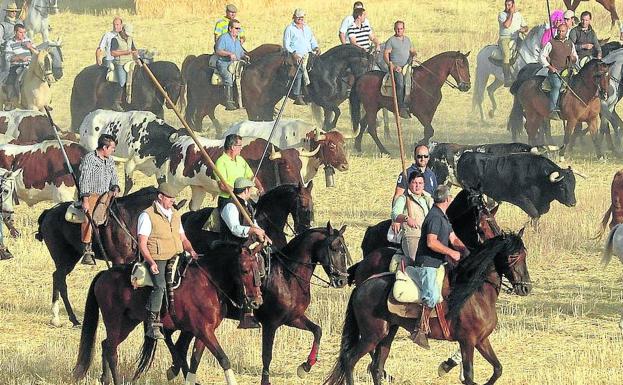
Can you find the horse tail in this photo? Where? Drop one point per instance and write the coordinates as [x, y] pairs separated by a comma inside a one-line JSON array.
[[350, 337], [607, 254], [479, 89], [351, 273], [515, 119], [182, 101], [88, 333], [355, 107], [604, 223], [146, 357]]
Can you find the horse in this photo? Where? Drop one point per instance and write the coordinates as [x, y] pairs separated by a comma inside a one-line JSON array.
[[199, 307], [608, 5], [54, 48], [91, 90], [581, 103], [473, 287], [271, 213], [332, 75], [35, 92], [428, 78], [528, 52], [614, 245], [286, 293], [117, 244], [35, 15], [200, 96]]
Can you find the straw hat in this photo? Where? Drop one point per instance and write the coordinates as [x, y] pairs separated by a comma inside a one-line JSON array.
[[12, 7]]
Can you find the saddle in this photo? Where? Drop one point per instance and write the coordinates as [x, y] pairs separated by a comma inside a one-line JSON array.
[[496, 56], [75, 214], [386, 85], [405, 298], [111, 76], [235, 68]]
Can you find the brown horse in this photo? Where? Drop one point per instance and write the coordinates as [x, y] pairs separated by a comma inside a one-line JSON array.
[[200, 305], [201, 96], [581, 103], [609, 5], [614, 214], [427, 80], [471, 314]]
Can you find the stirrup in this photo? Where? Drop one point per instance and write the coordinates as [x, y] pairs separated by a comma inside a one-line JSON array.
[[420, 338]]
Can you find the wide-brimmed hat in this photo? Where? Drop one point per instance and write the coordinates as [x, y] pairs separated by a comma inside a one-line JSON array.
[[299, 12], [242, 183], [128, 29], [12, 7], [569, 14], [231, 8], [167, 189]]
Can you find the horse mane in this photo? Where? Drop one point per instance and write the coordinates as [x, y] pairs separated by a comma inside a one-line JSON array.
[[471, 272], [264, 59], [146, 193], [279, 192], [441, 56], [465, 201], [296, 242], [222, 258], [342, 50]]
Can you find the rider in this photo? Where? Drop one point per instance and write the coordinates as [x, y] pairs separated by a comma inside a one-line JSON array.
[[229, 49], [102, 53], [123, 51], [160, 238], [222, 25], [421, 155], [97, 176], [10, 19], [233, 229], [585, 38], [360, 33], [511, 24], [348, 21], [433, 247], [18, 52], [299, 40], [556, 56], [400, 52]]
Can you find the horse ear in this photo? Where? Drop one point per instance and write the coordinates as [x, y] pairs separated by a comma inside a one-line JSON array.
[[467, 54], [329, 228], [520, 234], [310, 185], [342, 230]]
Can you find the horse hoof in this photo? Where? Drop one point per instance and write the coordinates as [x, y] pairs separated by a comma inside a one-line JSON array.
[[303, 370], [56, 322], [171, 374]]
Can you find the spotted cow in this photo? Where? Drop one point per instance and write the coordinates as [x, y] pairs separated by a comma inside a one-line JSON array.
[[24, 126]]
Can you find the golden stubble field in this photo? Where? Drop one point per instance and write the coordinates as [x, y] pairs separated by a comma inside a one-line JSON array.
[[565, 332]]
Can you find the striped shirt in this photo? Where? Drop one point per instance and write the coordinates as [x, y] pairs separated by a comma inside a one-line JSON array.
[[360, 34], [97, 175], [16, 47], [221, 27]]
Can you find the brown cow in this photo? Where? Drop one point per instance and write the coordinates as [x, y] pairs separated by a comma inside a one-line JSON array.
[[615, 211]]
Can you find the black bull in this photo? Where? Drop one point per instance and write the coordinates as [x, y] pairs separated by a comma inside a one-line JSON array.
[[526, 180], [91, 90]]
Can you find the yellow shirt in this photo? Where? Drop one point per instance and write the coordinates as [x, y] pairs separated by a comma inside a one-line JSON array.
[[232, 169]]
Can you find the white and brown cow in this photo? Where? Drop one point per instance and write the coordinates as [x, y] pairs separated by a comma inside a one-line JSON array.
[[144, 140], [44, 175], [24, 126]]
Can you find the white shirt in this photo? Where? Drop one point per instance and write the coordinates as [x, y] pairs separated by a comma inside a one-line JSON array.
[[144, 223], [231, 216], [513, 30], [105, 43], [544, 57]]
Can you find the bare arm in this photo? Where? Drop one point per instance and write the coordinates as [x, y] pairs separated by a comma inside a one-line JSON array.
[[343, 37], [433, 243], [142, 246], [456, 242]]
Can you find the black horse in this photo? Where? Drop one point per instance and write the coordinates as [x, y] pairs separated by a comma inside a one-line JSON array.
[[91, 90]]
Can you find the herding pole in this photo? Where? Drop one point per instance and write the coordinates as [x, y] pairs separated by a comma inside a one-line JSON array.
[[549, 21], [203, 152], [399, 129]]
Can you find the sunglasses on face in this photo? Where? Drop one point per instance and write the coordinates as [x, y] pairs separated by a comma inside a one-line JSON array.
[[422, 156], [237, 28]]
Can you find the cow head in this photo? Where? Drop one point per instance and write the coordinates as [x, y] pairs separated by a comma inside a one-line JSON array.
[[562, 181], [156, 140], [332, 150], [288, 165]]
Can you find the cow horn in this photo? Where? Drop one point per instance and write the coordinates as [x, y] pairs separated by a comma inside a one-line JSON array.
[[309, 154], [274, 154], [555, 177], [353, 135]]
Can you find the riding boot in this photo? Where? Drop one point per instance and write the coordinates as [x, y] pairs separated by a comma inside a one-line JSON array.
[[116, 100], [248, 320], [299, 101], [152, 326], [508, 79], [5, 253], [229, 99], [87, 255], [420, 337], [404, 112]]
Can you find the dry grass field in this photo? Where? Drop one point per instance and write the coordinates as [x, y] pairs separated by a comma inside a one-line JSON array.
[[565, 332]]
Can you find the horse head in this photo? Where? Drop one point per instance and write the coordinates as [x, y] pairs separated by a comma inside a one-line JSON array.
[[250, 271], [302, 209], [511, 263], [602, 79], [460, 71], [43, 66], [334, 256]]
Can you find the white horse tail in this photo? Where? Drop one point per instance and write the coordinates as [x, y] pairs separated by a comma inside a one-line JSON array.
[[607, 254], [479, 87]]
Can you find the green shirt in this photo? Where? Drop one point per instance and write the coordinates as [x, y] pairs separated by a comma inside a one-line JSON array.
[[221, 27], [231, 170]]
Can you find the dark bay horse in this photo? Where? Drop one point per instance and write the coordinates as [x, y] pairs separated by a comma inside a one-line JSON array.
[[91, 90], [428, 79], [202, 97], [287, 293], [272, 211], [608, 5], [200, 305], [471, 313], [581, 103], [63, 241], [332, 76]]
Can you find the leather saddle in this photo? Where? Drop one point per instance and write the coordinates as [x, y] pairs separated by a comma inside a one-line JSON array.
[[386, 85], [405, 298]]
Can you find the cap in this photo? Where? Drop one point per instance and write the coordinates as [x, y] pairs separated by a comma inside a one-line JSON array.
[[568, 14], [242, 183], [167, 189], [299, 12], [128, 29], [231, 8]]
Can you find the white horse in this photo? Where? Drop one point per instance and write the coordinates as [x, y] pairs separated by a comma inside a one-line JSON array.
[[36, 16], [608, 112], [614, 245], [35, 92], [529, 51]]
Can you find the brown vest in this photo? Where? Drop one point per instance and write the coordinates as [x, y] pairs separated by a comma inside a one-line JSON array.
[[124, 45], [164, 242], [561, 50]]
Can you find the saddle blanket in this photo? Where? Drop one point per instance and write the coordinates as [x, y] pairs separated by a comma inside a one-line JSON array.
[[111, 76], [386, 86], [406, 289], [406, 310]]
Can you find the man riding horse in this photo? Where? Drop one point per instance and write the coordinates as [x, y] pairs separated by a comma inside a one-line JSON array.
[[511, 24], [123, 50], [18, 53], [102, 53], [229, 50], [400, 52]]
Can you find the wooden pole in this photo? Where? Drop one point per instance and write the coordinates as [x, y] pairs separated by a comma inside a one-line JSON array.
[[399, 129], [203, 152]]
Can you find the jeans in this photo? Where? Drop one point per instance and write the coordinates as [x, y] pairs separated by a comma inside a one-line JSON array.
[[400, 88], [122, 76], [106, 62], [160, 285], [556, 83], [428, 286], [228, 79], [298, 79]]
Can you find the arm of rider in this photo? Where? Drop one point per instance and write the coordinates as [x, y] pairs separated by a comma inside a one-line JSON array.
[[342, 37], [142, 246], [544, 57], [258, 185], [457, 243], [574, 54], [388, 51], [433, 243], [187, 246], [509, 17]]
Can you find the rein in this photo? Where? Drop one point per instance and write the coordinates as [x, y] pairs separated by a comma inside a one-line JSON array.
[[218, 288], [446, 81]]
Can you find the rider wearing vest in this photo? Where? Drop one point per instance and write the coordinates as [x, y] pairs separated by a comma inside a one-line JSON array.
[[102, 53], [400, 52], [222, 25], [229, 49], [233, 228], [437, 236], [511, 24], [18, 52], [123, 51], [7, 26], [556, 56], [160, 238]]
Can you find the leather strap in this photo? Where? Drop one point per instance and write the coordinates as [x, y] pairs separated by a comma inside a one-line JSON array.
[[441, 316]]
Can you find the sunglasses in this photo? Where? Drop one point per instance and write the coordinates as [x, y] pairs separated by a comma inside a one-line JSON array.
[[238, 28], [422, 156]]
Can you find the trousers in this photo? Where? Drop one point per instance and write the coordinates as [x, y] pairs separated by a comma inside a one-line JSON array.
[[505, 46], [223, 70], [400, 88], [554, 94], [428, 285], [160, 285], [122, 76], [86, 230]]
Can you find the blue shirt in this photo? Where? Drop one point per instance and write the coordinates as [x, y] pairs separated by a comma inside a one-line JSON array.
[[299, 41], [436, 222], [227, 43], [430, 179]]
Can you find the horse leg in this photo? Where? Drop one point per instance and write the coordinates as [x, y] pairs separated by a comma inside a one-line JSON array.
[[178, 352], [217, 124], [491, 92], [363, 126], [363, 347], [116, 332], [467, 355], [195, 360], [336, 116], [371, 123], [486, 350], [380, 357], [597, 137], [569, 140], [429, 131], [59, 287], [386, 133], [268, 338], [208, 338], [305, 323]]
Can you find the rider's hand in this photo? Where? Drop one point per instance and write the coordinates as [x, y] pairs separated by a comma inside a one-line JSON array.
[[154, 268], [194, 254], [587, 46], [411, 222], [297, 58], [552, 69], [85, 206], [398, 68], [396, 227], [454, 255], [232, 56], [258, 232]]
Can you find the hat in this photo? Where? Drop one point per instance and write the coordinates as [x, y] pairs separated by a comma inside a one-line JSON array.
[[12, 7], [299, 12], [569, 14], [231, 8], [128, 29], [242, 183], [167, 189]]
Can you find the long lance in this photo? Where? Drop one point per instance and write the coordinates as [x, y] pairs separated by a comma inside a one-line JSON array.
[[283, 105], [549, 21], [60, 143], [399, 130], [203, 152]]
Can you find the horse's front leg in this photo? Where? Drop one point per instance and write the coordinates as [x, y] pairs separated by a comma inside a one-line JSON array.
[[486, 350], [467, 354], [305, 323], [597, 137]]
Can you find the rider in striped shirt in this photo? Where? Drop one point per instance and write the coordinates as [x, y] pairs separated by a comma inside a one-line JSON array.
[[360, 33]]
